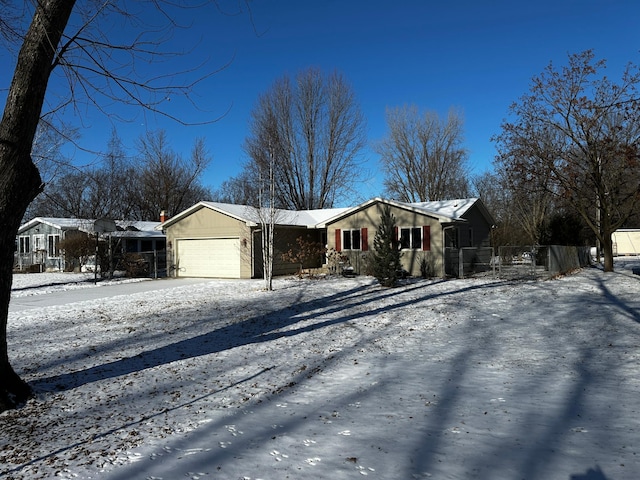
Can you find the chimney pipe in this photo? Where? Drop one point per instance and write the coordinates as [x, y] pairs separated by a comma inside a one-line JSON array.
[[163, 216]]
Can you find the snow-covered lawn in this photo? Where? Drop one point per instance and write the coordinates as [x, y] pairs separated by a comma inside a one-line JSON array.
[[26, 285], [333, 379]]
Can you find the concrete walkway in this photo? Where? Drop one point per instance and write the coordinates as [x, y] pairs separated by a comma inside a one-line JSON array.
[[67, 297]]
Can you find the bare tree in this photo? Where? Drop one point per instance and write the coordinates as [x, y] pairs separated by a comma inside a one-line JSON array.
[[531, 200], [99, 73], [112, 182], [314, 128], [422, 156], [51, 162], [581, 131], [268, 214], [165, 180], [47, 149], [488, 187], [241, 189], [98, 191], [133, 188]]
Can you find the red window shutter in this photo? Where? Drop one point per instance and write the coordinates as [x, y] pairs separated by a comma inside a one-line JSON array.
[[426, 237], [396, 232], [338, 240], [364, 239]]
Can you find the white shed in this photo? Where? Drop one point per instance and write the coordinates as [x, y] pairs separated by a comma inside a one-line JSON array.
[[626, 241]]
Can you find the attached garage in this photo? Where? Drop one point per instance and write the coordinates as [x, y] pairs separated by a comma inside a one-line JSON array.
[[208, 257], [221, 240]]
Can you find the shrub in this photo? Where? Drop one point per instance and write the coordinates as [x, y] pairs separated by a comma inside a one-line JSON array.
[[427, 268], [304, 252], [386, 256]]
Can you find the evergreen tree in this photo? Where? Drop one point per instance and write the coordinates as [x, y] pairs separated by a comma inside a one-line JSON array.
[[386, 255]]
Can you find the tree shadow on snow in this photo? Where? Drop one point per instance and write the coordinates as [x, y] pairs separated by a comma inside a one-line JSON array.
[[621, 305], [111, 431], [362, 302], [532, 441], [591, 474], [317, 313]]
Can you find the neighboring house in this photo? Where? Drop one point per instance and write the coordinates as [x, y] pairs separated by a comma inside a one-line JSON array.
[[138, 236], [37, 242], [223, 240], [626, 241]]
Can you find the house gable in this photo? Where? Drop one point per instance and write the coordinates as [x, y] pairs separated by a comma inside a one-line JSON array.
[[221, 243], [205, 223], [352, 234]]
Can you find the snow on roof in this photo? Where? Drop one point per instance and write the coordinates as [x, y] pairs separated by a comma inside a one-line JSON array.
[[61, 223], [134, 227], [446, 210], [454, 209], [310, 218], [251, 215]]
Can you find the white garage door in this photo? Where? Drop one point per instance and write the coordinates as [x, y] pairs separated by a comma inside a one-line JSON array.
[[211, 257]]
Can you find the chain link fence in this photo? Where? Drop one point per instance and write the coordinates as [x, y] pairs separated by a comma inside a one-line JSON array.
[[469, 261], [515, 262]]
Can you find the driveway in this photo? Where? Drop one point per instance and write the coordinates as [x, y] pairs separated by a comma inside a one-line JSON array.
[[67, 297]]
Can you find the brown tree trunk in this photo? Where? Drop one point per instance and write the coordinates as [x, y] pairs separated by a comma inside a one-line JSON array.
[[20, 180], [15, 188], [607, 250]]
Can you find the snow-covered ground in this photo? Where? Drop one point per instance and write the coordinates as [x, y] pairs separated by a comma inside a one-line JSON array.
[[26, 285], [331, 379]]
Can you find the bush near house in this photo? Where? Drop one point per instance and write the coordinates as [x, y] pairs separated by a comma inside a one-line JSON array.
[[304, 252], [77, 247]]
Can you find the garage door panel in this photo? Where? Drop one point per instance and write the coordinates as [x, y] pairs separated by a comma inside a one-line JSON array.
[[211, 257]]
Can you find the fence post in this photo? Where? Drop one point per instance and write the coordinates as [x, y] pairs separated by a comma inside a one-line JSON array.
[[155, 264], [493, 262]]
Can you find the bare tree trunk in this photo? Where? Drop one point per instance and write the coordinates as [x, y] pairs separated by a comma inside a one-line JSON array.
[[607, 244], [20, 181], [267, 215]]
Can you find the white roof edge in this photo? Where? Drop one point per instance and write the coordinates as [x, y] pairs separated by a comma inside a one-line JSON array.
[[406, 206], [180, 215], [320, 218], [249, 215], [83, 224], [57, 222]]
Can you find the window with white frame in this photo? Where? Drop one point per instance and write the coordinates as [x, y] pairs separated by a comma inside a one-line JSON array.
[[52, 246], [410, 238], [351, 240], [38, 243], [25, 244]]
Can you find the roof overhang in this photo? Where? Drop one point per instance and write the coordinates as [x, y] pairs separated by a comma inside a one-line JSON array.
[[393, 203]]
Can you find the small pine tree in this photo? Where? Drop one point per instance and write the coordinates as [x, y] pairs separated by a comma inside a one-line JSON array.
[[386, 255]]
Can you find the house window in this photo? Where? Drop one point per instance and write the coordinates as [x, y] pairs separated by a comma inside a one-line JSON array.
[[38, 243], [451, 238], [25, 245], [355, 239], [411, 238], [351, 240], [52, 246]]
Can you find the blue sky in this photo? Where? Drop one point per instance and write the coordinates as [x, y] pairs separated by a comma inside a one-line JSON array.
[[476, 56]]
